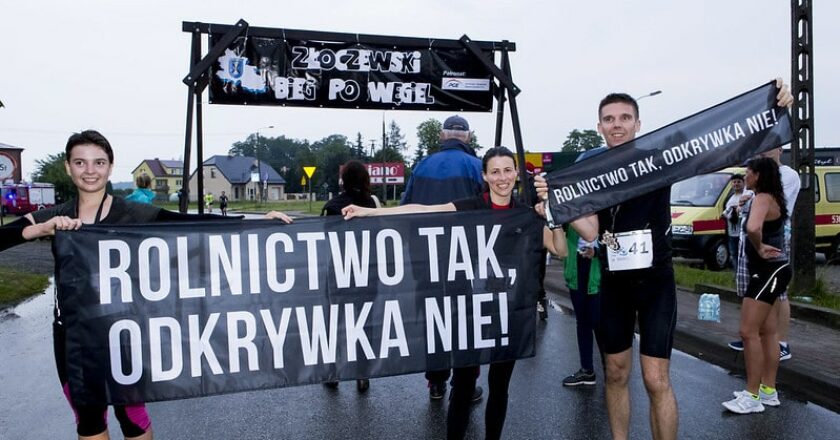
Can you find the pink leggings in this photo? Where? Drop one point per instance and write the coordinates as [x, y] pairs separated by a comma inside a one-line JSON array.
[[93, 419]]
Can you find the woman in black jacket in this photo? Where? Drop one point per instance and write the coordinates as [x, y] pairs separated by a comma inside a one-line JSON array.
[[355, 182]]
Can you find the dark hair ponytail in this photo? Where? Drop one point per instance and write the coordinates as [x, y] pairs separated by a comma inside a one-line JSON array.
[[769, 181]]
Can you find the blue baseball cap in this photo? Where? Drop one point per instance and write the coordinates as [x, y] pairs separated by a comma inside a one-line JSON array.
[[456, 123]]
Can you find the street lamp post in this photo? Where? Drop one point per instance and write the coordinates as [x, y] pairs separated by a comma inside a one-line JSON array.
[[259, 164], [654, 93]]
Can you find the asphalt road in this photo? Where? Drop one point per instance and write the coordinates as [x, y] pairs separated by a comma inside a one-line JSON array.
[[33, 407]]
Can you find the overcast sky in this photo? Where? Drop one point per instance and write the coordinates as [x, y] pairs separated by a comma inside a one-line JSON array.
[[117, 66]]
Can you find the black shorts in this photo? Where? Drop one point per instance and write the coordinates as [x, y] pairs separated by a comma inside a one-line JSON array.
[[768, 281], [650, 294]]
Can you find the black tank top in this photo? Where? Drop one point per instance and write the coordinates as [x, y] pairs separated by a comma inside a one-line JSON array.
[[773, 234]]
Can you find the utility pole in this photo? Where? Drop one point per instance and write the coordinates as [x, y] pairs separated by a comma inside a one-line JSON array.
[[384, 149], [803, 239], [258, 191]]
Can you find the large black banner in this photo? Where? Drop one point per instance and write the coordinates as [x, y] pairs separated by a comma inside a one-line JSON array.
[[349, 74], [170, 311], [724, 135]]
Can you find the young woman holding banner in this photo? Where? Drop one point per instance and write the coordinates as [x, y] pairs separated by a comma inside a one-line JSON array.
[[499, 174], [89, 160]]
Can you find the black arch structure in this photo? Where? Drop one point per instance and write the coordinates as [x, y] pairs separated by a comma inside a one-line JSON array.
[[201, 64]]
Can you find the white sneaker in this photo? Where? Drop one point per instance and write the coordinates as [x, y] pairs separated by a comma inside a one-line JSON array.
[[744, 404], [769, 399], [764, 398]]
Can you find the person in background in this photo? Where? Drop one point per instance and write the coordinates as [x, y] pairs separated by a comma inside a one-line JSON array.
[[732, 215], [223, 203], [499, 171], [142, 194], [582, 272], [450, 174], [769, 275], [583, 278], [208, 202], [791, 185], [355, 182]]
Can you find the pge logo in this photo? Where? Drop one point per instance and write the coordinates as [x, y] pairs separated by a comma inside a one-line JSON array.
[[452, 84]]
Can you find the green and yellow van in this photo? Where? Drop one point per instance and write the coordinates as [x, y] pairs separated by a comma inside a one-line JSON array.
[[827, 211]]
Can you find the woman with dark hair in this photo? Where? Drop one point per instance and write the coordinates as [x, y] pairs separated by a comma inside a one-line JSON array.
[[499, 174], [356, 189], [89, 160], [763, 220], [355, 182]]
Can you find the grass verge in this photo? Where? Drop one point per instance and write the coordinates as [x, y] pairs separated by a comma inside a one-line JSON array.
[[821, 296], [16, 286], [688, 277]]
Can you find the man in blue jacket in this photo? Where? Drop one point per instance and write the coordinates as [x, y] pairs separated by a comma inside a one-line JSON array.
[[450, 174]]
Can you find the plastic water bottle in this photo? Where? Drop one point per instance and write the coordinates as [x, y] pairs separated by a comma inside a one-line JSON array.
[[708, 308]]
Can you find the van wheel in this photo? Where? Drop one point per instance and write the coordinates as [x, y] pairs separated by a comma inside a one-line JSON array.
[[717, 257]]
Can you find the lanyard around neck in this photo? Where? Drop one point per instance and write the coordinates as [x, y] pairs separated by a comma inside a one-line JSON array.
[[98, 217]]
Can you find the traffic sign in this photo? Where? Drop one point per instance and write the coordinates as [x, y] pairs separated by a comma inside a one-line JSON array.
[[309, 171]]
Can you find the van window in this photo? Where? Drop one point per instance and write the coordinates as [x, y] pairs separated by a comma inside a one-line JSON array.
[[704, 190], [816, 184], [832, 187]]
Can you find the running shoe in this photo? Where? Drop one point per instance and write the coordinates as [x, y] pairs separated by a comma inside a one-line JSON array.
[[784, 352], [477, 394], [737, 345], [769, 399], [744, 403], [362, 385], [764, 398], [437, 390], [581, 377]]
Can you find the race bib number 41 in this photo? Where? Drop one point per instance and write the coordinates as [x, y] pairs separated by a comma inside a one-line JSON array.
[[629, 250]]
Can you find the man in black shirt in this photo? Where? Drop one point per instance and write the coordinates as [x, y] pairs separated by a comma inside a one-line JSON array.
[[642, 287]]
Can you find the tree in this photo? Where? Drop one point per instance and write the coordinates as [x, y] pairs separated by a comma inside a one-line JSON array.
[[474, 142], [331, 152], [395, 138], [281, 153], [428, 139], [578, 141], [359, 148], [51, 170], [387, 155]]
